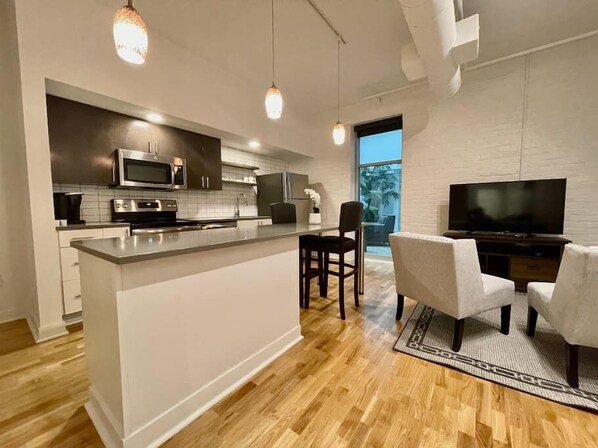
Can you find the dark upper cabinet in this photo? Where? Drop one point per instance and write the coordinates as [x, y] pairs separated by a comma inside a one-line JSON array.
[[83, 139], [167, 141], [81, 142], [131, 133], [191, 149], [212, 161]]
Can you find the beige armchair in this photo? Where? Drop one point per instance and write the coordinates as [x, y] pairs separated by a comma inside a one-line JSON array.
[[445, 274], [570, 305]]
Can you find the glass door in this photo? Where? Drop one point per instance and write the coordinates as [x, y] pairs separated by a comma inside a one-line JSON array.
[[379, 168]]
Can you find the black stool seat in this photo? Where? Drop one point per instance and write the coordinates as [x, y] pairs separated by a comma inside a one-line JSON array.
[[333, 244]]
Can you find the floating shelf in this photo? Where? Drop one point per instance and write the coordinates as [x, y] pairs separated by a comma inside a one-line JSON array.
[[240, 165], [238, 182]]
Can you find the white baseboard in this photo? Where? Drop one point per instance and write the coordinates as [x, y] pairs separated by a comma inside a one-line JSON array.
[[46, 332], [180, 415], [101, 420], [11, 315], [70, 319]]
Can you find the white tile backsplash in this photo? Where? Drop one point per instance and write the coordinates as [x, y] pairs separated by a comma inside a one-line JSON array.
[[95, 206]]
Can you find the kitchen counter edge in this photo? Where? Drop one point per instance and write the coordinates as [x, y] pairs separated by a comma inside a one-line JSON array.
[[84, 246]]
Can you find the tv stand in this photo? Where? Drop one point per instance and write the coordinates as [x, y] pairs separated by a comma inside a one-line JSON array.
[[518, 257]]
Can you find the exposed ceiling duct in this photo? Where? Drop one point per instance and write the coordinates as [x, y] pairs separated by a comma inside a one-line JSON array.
[[439, 45]]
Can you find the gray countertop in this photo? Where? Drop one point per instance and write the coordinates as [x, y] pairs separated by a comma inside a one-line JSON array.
[[137, 248], [92, 225]]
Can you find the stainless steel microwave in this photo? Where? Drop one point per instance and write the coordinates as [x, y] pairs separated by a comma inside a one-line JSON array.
[[138, 169]]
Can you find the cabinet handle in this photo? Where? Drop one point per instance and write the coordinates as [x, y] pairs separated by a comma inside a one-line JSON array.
[[149, 146], [157, 147], [208, 181], [202, 184], [78, 296], [82, 238], [76, 263]]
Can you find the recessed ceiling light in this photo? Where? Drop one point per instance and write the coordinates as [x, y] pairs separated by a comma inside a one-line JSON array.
[[156, 118], [141, 123], [254, 144]]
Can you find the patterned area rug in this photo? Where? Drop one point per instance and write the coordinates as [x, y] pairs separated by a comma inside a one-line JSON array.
[[533, 365]]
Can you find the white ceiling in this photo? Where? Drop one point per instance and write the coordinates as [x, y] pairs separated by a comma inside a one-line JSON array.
[[235, 34]]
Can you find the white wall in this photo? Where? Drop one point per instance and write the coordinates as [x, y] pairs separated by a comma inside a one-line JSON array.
[[71, 42], [528, 118], [17, 296]]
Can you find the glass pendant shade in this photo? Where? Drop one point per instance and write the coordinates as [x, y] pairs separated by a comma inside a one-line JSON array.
[[273, 103], [338, 133], [130, 35]]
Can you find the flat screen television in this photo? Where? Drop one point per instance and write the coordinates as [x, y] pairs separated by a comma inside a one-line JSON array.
[[527, 206]]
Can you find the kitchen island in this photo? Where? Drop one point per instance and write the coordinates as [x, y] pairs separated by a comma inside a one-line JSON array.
[[175, 322]]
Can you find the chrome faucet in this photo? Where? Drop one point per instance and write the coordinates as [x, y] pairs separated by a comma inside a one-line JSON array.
[[237, 211]]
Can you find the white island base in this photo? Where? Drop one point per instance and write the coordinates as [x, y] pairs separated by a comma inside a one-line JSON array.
[[167, 338]]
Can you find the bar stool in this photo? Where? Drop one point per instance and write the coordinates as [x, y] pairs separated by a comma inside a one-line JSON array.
[[350, 221], [285, 213]]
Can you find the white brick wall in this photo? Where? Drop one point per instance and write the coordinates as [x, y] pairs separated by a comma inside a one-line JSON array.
[[531, 117], [95, 206]]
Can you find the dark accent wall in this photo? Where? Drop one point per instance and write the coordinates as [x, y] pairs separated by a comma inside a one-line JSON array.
[[83, 139]]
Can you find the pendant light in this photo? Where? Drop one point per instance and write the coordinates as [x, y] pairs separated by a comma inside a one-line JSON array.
[[273, 96], [338, 133], [130, 34]]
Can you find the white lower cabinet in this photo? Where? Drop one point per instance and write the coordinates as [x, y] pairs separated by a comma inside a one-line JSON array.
[[69, 261], [248, 223]]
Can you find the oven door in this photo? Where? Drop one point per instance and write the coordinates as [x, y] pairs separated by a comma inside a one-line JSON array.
[[137, 169]]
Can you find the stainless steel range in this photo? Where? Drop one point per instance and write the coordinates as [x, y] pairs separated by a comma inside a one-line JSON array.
[[150, 216]]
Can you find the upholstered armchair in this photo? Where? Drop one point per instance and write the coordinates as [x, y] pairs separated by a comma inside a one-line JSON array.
[[570, 305], [445, 274]]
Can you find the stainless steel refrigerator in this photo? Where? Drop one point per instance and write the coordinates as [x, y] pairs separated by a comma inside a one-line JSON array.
[[283, 187]]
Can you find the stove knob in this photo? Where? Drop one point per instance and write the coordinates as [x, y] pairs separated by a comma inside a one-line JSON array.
[[117, 205], [125, 205]]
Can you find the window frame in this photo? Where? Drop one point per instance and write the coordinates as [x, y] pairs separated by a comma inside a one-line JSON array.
[[384, 126]]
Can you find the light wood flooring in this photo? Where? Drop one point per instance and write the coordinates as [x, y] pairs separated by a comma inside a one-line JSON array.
[[343, 385]]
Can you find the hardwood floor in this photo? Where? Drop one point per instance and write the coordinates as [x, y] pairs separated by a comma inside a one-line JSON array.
[[343, 385]]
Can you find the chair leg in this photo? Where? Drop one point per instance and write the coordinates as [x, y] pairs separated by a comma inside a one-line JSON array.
[[532, 320], [458, 336], [307, 279], [505, 319], [341, 283], [400, 306], [572, 361], [301, 277]]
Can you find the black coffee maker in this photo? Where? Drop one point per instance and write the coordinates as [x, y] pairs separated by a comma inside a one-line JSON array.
[[68, 206]]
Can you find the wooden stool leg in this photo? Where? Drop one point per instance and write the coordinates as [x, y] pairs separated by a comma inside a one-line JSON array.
[[300, 276], [307, 278], [356, 277], [321, 273], [326, 268], [341, 283]]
